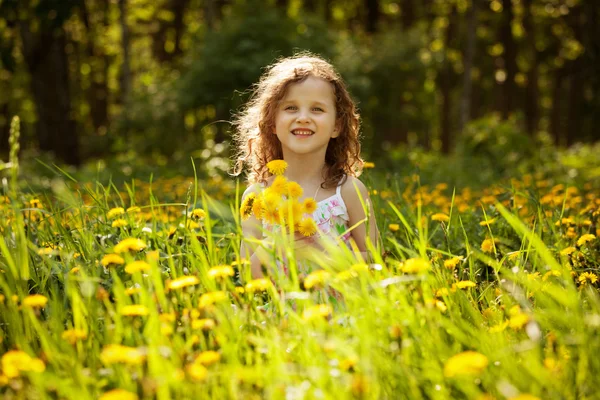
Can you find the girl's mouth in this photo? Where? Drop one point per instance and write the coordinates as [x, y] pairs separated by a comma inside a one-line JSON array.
[[302, 132]]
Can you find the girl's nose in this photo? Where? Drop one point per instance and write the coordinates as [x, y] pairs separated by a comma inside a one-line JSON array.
[[302, 117]]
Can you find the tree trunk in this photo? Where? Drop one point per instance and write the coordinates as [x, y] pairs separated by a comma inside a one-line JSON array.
[[509, 58], [373, 15], [532, 91], [465, 103], [407, 9], [445, 81], [555, 114], [48, 66], [125, 78], [574, 124], [160, 37]]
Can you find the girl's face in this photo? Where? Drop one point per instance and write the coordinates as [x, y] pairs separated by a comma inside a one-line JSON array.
[[305, 120]]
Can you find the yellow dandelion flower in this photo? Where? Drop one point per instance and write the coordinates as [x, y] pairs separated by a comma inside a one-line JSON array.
[[137, 266], [524, 396], [16, 361], [134, 210], [487, 245], [394, 227], [279, 185], [277, 167], [587, 277], [112, 259], [181, 282], [206, 324], [307, 227], [116, 353], [294, 190], [310, 205], [258, 285], [258, 207], [74, 335], [118, 394], [246, 207], [368, 164], [518, 318], [113, 212], [567, 251], [207, 358], [130, 244], [465, 284], [499, 328], [220, 272], [415, 266], [588, 237], [440, 217], [210, 298], [35, 301], [488, 222], [119, 223], [134, 310], [197, 372], [465, 363], [198, 214], [318, 311], [452, 263], [316, 279]]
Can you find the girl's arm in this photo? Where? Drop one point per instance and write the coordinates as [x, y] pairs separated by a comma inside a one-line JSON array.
[[353, 191], [251, 232]]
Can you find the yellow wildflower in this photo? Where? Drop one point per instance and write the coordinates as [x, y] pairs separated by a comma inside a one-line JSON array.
[[137, 266], [207, 358], [130, 244], [524, 396], [198, 214], [587, 276], [206, 324], [394, 227], [316, 279], [134, 310], [451, 263], [73, 335], [210, 298], [487, 245], [112, 259], [220, 272], [440, 217], [118, 394], [116, 353], [258, 285], [567, 251], [465, 284], [246, 207], [277, 167], [258, 207], [415, 266], [465, 363], [113, 212], [368, 164], [307, 227], [588, 237], [310, 205], [35, 301], [119, 223], [318, 311], [16, 361], [134, 209], [279, 185], [183, 281], [518, 318], [294, 190], [487, 222], [196, 372]]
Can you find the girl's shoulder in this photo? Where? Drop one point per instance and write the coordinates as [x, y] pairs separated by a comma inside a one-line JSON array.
[[351, 185]]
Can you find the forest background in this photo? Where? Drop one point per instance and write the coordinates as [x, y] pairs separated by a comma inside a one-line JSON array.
[[159, 80]]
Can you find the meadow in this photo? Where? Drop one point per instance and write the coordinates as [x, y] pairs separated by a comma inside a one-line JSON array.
[[136, 290]]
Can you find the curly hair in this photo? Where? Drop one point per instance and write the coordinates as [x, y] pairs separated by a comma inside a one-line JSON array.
[[254, 125]]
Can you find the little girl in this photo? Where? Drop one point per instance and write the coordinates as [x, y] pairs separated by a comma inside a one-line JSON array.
[[302, 113]]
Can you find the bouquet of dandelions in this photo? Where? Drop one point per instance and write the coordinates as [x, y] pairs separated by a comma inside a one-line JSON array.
[[279, 204]]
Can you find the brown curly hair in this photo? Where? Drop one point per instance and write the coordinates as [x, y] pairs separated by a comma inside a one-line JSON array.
[[254, 125]]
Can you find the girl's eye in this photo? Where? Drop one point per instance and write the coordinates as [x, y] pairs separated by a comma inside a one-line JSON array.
[[318, 109], [292, 108]]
